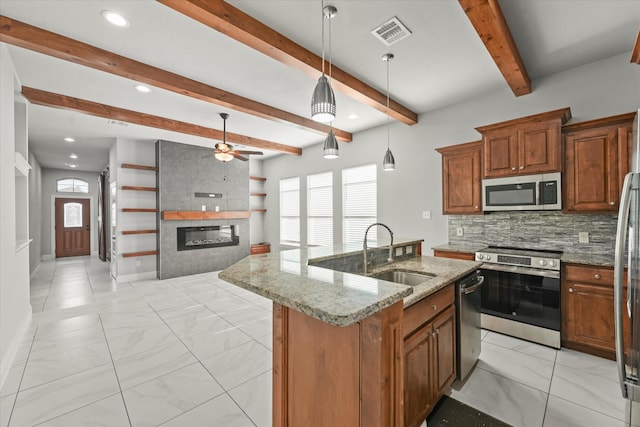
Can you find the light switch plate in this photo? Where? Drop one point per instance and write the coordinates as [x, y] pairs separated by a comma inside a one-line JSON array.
[[583, 237], [426, 214]]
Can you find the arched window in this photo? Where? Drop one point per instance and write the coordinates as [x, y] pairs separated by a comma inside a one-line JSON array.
[[72, 185]]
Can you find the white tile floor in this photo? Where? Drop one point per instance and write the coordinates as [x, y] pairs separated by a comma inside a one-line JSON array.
[[196, 351]]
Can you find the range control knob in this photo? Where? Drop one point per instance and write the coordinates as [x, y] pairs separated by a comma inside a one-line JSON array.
[[552, 263], [480, 256], [488, 257], [543, 262]]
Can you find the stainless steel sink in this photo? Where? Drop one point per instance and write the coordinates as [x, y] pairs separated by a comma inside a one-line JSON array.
[[408, 278]]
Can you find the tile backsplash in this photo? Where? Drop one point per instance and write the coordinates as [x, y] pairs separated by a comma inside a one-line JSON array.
[[537, 230]]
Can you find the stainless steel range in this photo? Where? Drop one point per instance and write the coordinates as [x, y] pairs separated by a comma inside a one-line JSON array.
[[521, 293]]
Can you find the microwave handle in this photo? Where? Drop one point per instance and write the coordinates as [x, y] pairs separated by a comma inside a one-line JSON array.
[[539, 194]]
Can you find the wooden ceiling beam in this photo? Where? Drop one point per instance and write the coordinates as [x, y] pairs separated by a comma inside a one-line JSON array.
[[54, 100], [234, 23], [488, 21], [33, 38], [635, 55]]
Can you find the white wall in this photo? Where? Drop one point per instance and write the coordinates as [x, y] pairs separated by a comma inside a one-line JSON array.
[[599, 89], [257, 218], [15, 309], [35, 213], [49, 193]]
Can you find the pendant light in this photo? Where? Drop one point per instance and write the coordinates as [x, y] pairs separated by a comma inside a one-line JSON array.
[[389, 162], [330, 148], [323, 102]]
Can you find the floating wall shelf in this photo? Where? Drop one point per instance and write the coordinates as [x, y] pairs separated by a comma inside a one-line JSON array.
[[258, 178], [141, 253], [258, 194], [128, 232], [139, 167], [139, 210], [136, 188], [199, 215]]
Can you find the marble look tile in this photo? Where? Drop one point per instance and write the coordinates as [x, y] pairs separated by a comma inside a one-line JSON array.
[[189, 326], [131, 325], [220, 412], [165, 397], [64, 395], [12, 381], [239, 364], [57, 304], [562, 413], [91, 320], [140, 341], [267, 341], [141, 367], [46, 346], [521, 346], [22, 353], [109, 412], [528, 370], [59, 365], [179, 313], [592, 364], [170, 303], [245, 315], [208, 344], [502, 398], [254, 397], [227, 305], [258, 328], [588, 390], [6, 406]]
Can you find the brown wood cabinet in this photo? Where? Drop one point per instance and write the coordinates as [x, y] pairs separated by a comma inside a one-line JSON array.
[[524, 146], [587, 310], [429, 354], [467, 256], [462, 178], [596, 161]]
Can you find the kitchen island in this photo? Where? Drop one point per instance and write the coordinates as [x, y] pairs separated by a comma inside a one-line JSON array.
[[338, 337]]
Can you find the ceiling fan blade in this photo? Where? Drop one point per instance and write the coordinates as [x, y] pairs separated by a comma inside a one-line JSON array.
[[238, 156], [248, 152]]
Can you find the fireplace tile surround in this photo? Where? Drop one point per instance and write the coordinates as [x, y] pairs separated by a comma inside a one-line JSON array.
[[183, 171]]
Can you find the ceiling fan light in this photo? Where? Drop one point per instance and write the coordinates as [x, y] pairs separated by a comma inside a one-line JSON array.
[[323, 102], [389, 162], [330, 148], [224, 157]]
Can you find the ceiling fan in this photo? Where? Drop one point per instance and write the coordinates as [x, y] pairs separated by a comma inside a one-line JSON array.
[[225, 152]]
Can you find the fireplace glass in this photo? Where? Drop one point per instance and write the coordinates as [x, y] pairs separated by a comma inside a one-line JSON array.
[[213, 236]]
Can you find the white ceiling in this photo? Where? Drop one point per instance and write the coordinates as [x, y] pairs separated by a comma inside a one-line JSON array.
[[442, 63]]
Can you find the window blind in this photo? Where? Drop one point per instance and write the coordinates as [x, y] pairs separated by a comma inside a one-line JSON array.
[[290, 211], [359, 203], [320, 209]]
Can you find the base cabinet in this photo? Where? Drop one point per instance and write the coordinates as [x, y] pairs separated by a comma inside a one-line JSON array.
[[429, 355]]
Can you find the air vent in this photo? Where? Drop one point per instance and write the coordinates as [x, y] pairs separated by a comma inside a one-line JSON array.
[[391, 31], [117, 123]]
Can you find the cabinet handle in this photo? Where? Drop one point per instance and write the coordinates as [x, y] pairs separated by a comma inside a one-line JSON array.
[[570, 290], [433, 334], [521, 167], [597, 276], [438, 331], [513, 168], [434, 307]]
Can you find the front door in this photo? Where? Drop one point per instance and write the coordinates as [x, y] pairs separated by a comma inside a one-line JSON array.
[[73, 227]]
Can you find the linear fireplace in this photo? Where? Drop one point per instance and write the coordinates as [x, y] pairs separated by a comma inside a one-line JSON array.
[[212, 236]]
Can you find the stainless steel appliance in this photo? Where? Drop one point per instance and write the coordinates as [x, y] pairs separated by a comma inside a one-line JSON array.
[[521, 293], [628, 356], [522, 193], [469, 336]]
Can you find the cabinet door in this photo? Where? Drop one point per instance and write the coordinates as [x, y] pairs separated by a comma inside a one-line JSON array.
[[500, 153], [418, 393], [444, 352], [592, 177], [590, 315], [467, 256], [461, 179], [539, 148]]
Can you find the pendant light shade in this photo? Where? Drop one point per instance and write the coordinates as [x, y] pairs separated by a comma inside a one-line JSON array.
[[330, 149], [389, 162], [323, 102]]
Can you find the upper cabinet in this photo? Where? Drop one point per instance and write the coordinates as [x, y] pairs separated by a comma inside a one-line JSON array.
[[524, 146], [596, 161], [461, 178]]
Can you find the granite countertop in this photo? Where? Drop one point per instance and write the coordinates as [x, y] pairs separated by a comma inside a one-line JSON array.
[[337, 298], [460, 247], [603, 260]]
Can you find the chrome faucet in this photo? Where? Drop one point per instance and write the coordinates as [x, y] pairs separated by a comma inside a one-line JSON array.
[[364, 245]]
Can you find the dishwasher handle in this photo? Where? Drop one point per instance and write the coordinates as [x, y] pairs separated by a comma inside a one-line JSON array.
[[472, 289]]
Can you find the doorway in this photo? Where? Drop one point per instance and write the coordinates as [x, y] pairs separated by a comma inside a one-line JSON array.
[[72, 227]]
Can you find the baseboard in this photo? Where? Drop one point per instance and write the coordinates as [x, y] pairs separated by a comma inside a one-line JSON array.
[[137, 276], [7, 359], [46, 257]]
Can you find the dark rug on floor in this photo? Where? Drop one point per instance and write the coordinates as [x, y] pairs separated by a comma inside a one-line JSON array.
[[451, 413]]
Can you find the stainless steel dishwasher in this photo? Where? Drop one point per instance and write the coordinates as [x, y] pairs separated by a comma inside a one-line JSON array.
[[468, 341]]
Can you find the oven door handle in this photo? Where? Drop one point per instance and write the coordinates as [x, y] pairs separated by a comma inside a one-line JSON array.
[[472, 289], [521, 270]]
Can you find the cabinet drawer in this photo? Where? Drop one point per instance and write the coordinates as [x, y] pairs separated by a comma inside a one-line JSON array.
[[423, 311], [467, 256], [600, 275]]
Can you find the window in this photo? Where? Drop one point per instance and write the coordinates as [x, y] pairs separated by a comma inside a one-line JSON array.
[[72, 185], [290, 211], [359, 203], [320, 209], [72, 215]]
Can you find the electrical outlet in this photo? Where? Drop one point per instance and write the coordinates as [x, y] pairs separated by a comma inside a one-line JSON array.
[[426, 214], [583, 237], [459, 231]]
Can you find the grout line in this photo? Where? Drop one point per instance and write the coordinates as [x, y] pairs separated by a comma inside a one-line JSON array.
[[546, 404]]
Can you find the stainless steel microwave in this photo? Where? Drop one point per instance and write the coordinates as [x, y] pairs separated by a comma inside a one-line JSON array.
[[522, 193]]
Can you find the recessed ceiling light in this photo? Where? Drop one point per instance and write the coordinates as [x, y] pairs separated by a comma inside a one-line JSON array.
[[69, 139], [73, 156], [71, 165], [143, 88], [352, 116], [115, 18]]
